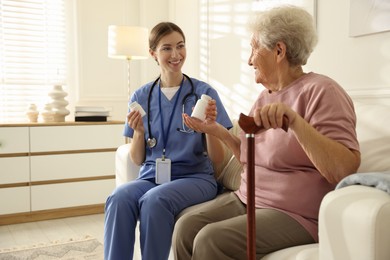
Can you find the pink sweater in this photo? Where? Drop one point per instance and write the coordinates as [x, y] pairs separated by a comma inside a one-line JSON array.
[[285, 178]]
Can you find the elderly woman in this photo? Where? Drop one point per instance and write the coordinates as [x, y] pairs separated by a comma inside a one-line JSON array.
[[293, 170]]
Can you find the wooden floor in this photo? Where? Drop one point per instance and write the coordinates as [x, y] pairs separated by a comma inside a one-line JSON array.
[[45, 232], [48, 231]]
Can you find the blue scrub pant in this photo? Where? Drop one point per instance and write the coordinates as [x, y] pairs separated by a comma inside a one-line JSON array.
[[155, 206]]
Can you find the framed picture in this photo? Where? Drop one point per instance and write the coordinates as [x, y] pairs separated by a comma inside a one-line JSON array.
[[369, 16]]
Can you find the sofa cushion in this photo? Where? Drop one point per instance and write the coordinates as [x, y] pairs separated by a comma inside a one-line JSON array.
[[228, 173], [304, 252], [373, 124], [230, 176]]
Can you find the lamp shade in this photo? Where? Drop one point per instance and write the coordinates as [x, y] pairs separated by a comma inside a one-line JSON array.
[[128, 42]]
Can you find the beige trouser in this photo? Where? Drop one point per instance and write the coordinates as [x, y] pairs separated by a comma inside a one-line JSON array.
[[218, 231]]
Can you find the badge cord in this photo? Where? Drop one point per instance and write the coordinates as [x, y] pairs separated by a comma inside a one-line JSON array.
[[165, 134]]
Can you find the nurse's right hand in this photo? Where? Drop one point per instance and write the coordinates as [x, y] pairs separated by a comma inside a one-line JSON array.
[[134, 120]]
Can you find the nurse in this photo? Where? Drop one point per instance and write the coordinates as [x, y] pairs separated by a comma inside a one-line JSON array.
[[176, 162]]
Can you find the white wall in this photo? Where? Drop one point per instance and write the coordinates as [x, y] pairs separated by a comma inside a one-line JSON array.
[[102, 81], [360, 64], [218, 49]]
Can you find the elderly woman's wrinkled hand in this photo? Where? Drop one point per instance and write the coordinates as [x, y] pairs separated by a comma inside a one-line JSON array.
[[271, 115]]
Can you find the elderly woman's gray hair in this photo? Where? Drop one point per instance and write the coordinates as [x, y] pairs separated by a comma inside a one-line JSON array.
[[291, 25]]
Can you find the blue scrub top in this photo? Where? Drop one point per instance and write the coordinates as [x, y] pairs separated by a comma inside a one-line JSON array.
[[185, 150]]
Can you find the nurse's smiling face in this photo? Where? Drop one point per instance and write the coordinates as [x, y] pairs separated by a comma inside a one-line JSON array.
[[171, 52]]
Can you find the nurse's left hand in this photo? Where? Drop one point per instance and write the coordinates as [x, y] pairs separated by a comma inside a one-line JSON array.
[[203, 126], [211, 110], [207, 126]]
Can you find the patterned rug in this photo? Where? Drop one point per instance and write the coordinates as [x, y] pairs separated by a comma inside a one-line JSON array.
[[90, 249]]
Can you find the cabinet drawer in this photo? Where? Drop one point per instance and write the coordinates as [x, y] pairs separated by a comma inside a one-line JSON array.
[[76, 137], [14, 200], [14, 170], [14, 140], [74, 194], [68, 166]]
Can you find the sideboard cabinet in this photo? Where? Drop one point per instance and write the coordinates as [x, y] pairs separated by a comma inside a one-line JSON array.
[[52, 170]]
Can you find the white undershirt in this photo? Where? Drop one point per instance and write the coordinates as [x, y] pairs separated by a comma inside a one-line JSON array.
[[170, 92]]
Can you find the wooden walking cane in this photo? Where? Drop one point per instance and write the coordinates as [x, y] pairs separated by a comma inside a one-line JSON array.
[[248, 125]]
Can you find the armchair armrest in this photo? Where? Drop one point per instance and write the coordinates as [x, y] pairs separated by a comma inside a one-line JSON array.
[[354, 224], [125, 169]]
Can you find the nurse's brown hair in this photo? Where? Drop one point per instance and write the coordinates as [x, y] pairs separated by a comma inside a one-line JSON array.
[[160, 30]]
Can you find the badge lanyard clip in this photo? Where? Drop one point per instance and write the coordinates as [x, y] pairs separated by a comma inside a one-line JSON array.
[[163, 155]]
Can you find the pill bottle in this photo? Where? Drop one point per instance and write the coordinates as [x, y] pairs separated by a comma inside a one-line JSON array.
[[137, 107], [200, 107]]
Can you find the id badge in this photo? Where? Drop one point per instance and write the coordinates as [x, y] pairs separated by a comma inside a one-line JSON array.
[[163, 170]]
